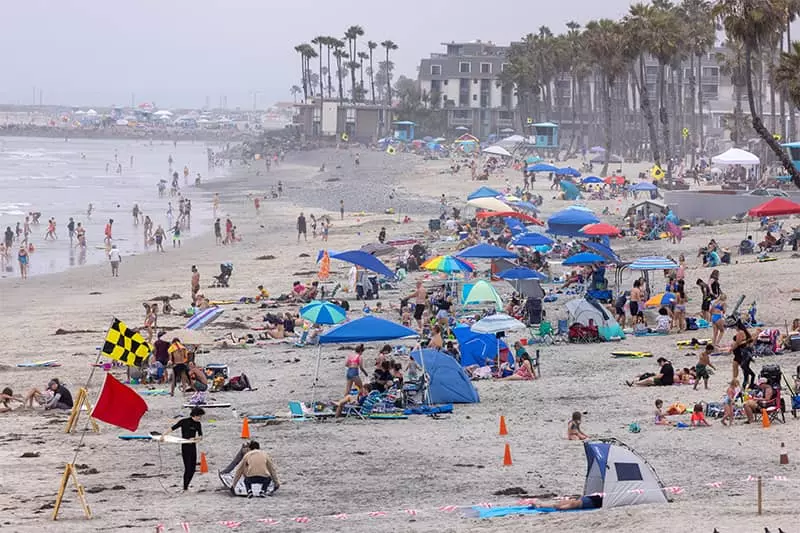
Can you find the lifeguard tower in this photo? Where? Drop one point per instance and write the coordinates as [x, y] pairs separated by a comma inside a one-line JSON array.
[[403, 130], [794, 153], [544, 135]]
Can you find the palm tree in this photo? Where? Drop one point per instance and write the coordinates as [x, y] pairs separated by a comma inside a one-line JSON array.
[[753, 23], [731, 63], [362, 56], [352, 34], [787, 75], [308, 54], [606, 44], [295, 90], [340, 54], [792, 10], [332, 43], [302, 50], [320, 41], [389, 46], [372, 45]]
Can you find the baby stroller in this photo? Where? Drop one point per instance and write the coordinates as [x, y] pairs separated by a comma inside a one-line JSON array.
[[225, 272]]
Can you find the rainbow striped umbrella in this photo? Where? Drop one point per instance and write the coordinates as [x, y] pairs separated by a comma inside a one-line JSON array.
[[447, 264]]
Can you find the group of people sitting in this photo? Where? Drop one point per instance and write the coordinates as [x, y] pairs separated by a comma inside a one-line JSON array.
[[54, 396], [519, 367]]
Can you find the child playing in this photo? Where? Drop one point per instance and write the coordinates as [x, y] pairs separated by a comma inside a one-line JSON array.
[[574, 428], [701, 368], [698, 418], [640, 326], [660, 419], [730, 397]]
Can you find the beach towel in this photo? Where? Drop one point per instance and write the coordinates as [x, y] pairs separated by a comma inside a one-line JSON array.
[[498, 512], [430, 409]]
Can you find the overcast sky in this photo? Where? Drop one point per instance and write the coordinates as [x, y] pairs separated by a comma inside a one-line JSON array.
[[178, 52]]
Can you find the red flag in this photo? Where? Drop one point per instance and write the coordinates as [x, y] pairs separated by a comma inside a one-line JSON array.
[[119, 405]]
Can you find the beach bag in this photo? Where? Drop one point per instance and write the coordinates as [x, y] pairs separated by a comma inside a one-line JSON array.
[[691, 324]]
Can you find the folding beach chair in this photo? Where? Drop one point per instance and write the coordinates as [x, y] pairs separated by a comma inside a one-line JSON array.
[[300, 414], [542, 333]]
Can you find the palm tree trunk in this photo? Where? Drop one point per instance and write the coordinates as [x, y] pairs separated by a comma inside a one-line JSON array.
[[771, 80], [303, 74], [647, 110], [353, 70], [574, 114], [339, 77], [608, 130], [371, 76], [790, 134], [700, 122], [693, 122], [388, 85], [321, 83], [662, 115], [758, 124], [330, 84]]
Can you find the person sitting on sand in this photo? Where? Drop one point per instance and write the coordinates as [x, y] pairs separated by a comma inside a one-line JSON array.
[[525, 371], [665, 377], [382, 378], [698, 418], [436, 342], [659, 418], [6, 397], [663, 321], [297, 291], [56, 396], [574, 428], [592, 501], [310, 292], [768, 242], [197, 378], [764, 398], [256, 468], [263, 294]]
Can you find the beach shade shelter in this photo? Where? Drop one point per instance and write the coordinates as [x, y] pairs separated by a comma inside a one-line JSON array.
[[584, 258], [485, 251], [511, 214], [600, 229], [591, 179], [653, 262], [643, 186], [601, 249], [447, 264], [320, 312], [735, 156], [526, 206], [568, 171], [484, 192], [362, 259], [476, 348], [571, 192], [621, 475], [203, 318], [587, 311], [497, 150], [497, 324], [447, 382], [524, 280], [569, 221], [480, 292], [664, 298], [490, 204], [775, 207], [601, 158], [467, 138], [532, 239], [542, 167]]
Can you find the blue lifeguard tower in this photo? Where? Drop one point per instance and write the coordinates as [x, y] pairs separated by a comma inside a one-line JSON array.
[[794, 153], [403, 130], [545, 134]]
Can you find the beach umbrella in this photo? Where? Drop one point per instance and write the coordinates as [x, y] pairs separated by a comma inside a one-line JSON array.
[[532, 239], [462, 128], [600, 228], [511, 214], [584, 258], [497, 323], [439, 140], [644, 186], [485, 251], [653, 262], [664, 298], [483, 192], [592, 179], [203, 318], [497, 150], [323, 313], [507, 130], [615, 180], [490, 204], [542, 167], [191, 336], [481, 292], [519, 273], [447, 264], [525, 206], [568, 171]]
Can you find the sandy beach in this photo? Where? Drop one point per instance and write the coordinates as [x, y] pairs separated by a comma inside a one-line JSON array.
[[376, 472]]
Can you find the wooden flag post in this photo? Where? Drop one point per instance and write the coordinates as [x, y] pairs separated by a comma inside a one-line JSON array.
[[81, 401], [69, 473]]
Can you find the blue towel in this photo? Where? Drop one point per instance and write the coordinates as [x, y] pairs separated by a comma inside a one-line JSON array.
[[496, 512], [430, 409]]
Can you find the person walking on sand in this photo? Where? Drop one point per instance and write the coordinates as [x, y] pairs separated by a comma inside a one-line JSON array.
[[218, 231], [191, 429], [107, 231], [22, 257], [341, 209], [301, 227], [702, 366], [115, 259], [89, 211], [136, 214], [71, 230], [195, 282], [228, 231], [420, 296], [215, 204], [176, 235], [159, 236], [257, 204]]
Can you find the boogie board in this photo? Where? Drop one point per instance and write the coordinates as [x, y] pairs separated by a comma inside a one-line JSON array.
[[207, 405], [688, 343], [258, 418], [39, 364], [766, 259], [169, 439], [630, 354]]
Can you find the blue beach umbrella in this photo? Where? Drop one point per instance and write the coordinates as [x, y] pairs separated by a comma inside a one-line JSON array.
[[520, 273], [320, 312], [542, 167], [584, 258], [532, 239], [592, 179]]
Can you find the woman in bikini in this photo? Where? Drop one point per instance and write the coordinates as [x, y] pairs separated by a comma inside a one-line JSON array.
[[151, 320], [354, 365], [718, 319]]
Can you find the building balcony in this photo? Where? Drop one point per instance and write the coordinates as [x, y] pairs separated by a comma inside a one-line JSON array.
[[459, 121]]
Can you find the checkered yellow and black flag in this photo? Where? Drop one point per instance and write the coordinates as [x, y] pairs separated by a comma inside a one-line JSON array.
[[125, 345]]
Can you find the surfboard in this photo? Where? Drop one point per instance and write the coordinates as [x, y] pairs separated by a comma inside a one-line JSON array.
[[169, 439], [630, 354], [157, 392], [688, 343], [39, 364], [207, 405], [256, 418]]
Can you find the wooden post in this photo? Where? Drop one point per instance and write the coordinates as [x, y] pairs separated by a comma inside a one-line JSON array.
[[69, 473], [81, 401], [759, 495]]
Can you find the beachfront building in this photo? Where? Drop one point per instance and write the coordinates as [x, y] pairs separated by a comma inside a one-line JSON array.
[[464, 82], [360, 122]]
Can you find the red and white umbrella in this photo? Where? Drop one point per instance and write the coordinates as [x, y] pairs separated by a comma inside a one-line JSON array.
[[600, 229]]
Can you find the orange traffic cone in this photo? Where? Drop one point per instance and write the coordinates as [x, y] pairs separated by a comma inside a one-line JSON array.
[[764, 418], [203, 463], [507, 456], [245, 428], [503, 429]]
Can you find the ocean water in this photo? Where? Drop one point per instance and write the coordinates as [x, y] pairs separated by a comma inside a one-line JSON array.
[[61, 178]]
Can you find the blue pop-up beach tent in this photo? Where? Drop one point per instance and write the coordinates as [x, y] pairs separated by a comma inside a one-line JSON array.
[[362, 259], [569, 221], [447, 381], [485, 251], [483, 192], [477, 348], [366, 329]]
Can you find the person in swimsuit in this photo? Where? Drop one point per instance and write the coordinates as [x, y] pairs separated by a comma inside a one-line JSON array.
[[178, 356], [195, 282], [705, 306], [592, 501], [574, 428], [742, 354], [355, 364], [679, 314], [420, 296], [525, 371], [718, 319], [22, 257], [701, 368], [635, 298], [197, 378], [727, 402]]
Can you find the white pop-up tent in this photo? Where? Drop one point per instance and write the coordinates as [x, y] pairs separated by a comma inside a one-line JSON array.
[[497, 150], [735, 156]]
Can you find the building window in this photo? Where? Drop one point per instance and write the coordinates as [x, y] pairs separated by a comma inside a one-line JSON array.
[[486, 68], [445, 82], [474, 97], [475, 81], [436, 70], [351, 115], [505, 98], [503, 67], [651, 71], [505, 115], [711, 72], [463, 92], [710, 91], [436, 86], [465, 67], [461, 113], [688, 73]]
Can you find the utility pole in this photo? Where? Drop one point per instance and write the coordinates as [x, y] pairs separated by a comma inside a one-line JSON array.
[[34, 95], [41, 97], [133, 99]]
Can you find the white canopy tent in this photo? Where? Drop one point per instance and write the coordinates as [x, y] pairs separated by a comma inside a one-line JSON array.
[[736, 156], [497, 150]]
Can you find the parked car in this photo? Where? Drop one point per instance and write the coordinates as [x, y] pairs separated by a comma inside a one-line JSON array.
[[768, 192]]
